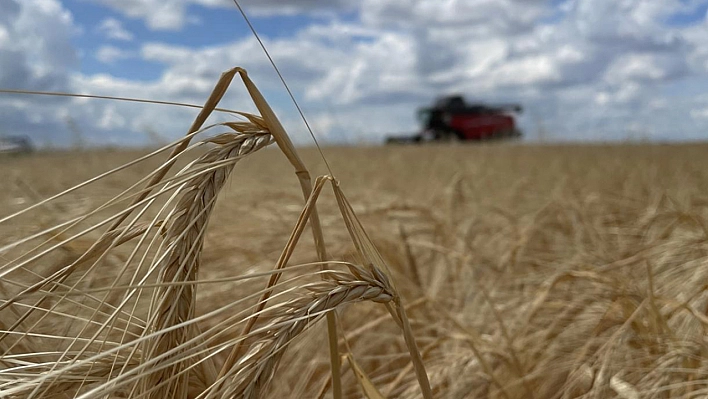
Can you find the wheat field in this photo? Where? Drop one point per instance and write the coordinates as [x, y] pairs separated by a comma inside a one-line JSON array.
[[526, 271]]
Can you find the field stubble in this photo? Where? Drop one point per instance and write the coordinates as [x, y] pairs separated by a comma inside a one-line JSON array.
[[527, 271]]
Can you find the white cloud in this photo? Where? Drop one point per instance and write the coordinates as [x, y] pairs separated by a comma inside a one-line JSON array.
[[35, 54], [113, 29], [40, 32], [110, 118], [173, 14], [646, 67], [158, 14], [110, 54], [701, 113], [373, 71], [481, 16], [588, 69], [4, 37]]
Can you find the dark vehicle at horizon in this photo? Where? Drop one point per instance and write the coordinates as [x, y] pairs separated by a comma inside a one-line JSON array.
[[452, 119], [15, 145]]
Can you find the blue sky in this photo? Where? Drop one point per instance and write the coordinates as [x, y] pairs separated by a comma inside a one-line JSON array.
[[585, 70], [224, 25]]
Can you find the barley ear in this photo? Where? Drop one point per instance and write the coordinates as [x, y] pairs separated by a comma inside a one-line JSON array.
[[214, 98], [184, 238], [257, 368], [371, 257]]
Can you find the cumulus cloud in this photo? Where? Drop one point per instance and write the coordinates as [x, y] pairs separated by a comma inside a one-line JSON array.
[[36, 50], [584, 69], [110, 54], [471, 16], [701, 113], [35, 54], [173, 14], [158, 14], [113, 29], [646, 67]]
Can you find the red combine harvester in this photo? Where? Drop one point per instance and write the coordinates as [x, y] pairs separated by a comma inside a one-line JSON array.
[[451, 119]]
